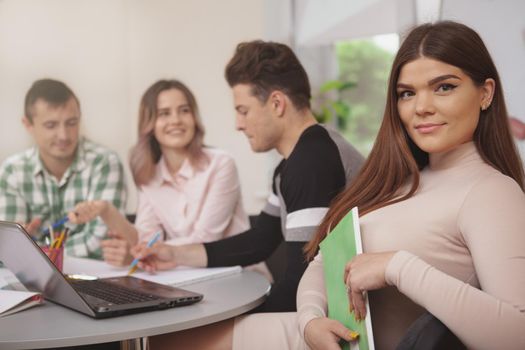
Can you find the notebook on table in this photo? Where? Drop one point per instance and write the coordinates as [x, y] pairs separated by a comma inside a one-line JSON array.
[[177, 277], [12, 301], [98, 298]]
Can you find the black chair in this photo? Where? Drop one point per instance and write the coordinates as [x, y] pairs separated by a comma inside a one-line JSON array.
[[131, 217], [429, 333]]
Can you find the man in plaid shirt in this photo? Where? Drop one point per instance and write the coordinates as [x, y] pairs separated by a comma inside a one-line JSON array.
[[39, 186]]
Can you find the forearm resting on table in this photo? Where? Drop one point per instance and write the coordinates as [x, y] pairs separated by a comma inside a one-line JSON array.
[[190, 255], [119, 224]]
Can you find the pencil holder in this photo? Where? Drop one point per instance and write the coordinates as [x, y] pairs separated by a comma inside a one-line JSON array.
[[56, 255]]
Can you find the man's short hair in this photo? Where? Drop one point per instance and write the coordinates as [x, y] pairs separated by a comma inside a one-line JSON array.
[[54, 92], [269, 66]]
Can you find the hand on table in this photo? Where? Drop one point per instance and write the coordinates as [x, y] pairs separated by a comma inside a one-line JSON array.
[[116, 250]]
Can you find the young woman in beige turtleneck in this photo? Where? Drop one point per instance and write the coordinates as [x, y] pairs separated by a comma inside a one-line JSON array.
[[442, 211], [464, 231], [456, 245]]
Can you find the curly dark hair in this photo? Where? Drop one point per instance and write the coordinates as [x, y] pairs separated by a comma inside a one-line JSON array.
[[269, 66]]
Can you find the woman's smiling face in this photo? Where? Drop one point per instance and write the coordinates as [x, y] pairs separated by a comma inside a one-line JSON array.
[[175, 123], [439, 104]]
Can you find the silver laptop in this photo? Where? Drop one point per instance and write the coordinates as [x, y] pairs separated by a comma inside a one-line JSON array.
[[99, 298]]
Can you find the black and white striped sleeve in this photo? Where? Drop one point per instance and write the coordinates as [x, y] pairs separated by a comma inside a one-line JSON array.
[[311, 179]]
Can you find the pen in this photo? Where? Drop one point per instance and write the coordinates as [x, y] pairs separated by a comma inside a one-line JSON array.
[[133, 267], [56, 224], [51, 233]]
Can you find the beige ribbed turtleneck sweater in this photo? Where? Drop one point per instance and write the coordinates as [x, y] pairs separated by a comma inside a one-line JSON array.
[[461, 255]]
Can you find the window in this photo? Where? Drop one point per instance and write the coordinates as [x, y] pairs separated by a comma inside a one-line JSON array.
[[367, 63]]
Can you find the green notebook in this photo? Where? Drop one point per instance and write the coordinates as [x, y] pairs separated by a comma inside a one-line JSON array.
[[341, 245]]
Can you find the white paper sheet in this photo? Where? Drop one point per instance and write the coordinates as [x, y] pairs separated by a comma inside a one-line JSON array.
[[12, 301], [176, 277], [9, 281]]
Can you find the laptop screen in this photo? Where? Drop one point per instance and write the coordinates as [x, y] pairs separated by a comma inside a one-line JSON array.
[[33, 268]]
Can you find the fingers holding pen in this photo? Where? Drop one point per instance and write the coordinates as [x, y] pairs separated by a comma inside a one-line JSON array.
[[140, 250], [148, 264], [160, 256]]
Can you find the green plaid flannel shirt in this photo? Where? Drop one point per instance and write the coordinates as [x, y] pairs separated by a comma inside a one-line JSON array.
[[27, 191]]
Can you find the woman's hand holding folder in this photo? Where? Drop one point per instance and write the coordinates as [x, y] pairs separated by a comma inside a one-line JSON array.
[[324, 333], [363, 273]]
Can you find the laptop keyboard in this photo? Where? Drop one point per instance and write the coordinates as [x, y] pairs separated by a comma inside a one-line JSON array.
[[111, 293]]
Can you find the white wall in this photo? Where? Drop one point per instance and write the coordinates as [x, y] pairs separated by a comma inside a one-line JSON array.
[[501, 25], [110, 51]]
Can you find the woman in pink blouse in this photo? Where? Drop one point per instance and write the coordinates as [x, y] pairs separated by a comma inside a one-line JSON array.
[[189, 192]]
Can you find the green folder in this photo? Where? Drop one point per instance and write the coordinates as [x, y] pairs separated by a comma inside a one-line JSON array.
[[339, 247]]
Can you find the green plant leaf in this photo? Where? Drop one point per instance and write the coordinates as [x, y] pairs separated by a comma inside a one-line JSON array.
[[330, 106], [341, 109], [319, 117], [330, 85], [327, 114], [347, 85]]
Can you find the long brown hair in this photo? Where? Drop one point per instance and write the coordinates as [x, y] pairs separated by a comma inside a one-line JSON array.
[[146, 153], [395, 159]]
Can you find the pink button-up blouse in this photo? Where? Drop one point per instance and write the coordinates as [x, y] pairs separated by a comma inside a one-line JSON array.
[[195, 205]]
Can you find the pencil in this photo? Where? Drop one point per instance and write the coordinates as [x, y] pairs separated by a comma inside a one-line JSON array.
[[60, 240], [57, 245], [133, 267]]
